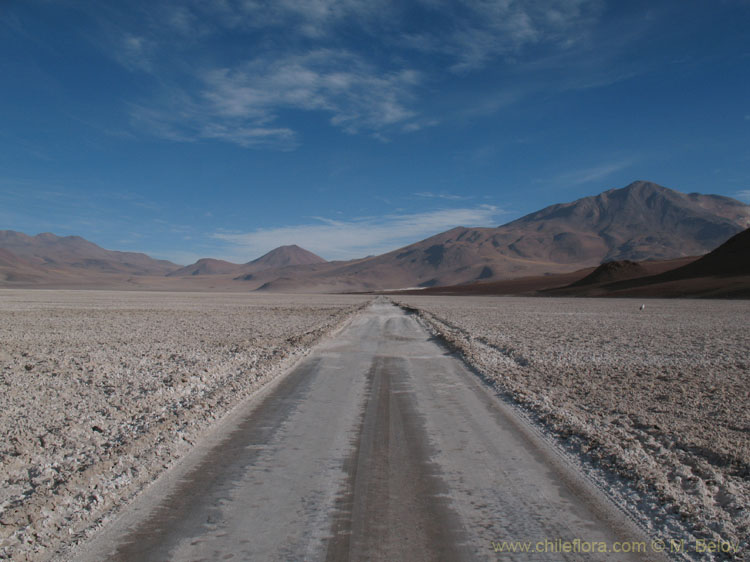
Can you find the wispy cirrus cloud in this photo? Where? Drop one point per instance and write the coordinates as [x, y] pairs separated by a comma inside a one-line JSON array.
[[195, 123], [377, 85], [448, 196], [242, 104], [337, 239], [593, 173], [135, 52], [202, 90], [743, 195], [310, 19], [355, 93], [480, 31]]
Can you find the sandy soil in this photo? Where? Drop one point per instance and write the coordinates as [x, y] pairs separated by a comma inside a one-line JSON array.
[[660, 397], [102, 391]]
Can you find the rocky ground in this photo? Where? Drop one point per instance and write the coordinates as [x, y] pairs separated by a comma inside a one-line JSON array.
[[659, 397], [102, 391]]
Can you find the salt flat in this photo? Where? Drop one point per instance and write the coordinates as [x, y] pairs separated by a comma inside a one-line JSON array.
[[380, 446], [660, 396], [101, 391]]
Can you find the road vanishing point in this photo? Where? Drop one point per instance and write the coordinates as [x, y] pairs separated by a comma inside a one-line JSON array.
[[380, 445]]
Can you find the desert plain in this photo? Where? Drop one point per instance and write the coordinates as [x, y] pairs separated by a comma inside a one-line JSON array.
[[103, 391], [654, 400]]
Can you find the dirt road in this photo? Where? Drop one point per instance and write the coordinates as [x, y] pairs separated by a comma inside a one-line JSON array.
[[380, 445]]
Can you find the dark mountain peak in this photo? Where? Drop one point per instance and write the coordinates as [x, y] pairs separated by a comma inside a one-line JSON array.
[[634, 194], [737, 246], [729, 259], [720, 273], [638, 190], [612, 271], [639, 221], [645, 190], [642, 187]]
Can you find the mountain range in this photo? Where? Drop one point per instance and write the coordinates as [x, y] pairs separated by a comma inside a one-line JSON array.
[[61, 252], [643, 221]]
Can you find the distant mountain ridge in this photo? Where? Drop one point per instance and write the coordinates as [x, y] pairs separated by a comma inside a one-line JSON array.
[[640, 221], [53, 252], [722, 273], [283, 256]]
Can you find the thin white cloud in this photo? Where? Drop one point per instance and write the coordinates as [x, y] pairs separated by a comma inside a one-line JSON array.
[[184, 21], [248, 136], [448, 196], [484, 30], [377, 85], [135, 52], [743, 195], [592, 174], [186, 121], [334, 239], [241, 105], [311, 18], [356, 94]]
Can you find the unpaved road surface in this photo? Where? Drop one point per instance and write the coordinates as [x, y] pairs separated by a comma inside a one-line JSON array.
[[380, 445]]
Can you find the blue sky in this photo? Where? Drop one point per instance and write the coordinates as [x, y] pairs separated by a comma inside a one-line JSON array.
[[225, 128]]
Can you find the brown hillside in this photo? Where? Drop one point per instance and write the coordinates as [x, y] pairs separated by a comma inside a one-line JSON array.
[[74, 252], [612, 271], [284, 256], [640, 221], [206, 266]]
